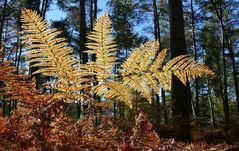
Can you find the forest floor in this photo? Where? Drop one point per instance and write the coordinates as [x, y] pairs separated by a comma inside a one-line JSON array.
[[172, 145], [24, 131]]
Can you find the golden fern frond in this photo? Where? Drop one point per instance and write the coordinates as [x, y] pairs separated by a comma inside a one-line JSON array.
[[186, 69], [115, 91], [143, 71], [135, 83], [103, 46], [51, 54], [140, 59], [136, 70], [157, 70], [158, 63], [101, 43]]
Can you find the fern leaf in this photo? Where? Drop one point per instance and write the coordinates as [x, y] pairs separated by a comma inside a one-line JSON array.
[[137, 84], [103, 46], [51, 54], [136, 70], [115, 91], [185, 68], [158, 63], [140, 59]]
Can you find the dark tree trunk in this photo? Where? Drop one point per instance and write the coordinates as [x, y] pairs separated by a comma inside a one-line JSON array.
[[2, 21], [220, 77], [91, 15], [211, 105], [4, 108], [225, 100], [82, 42], [180, 93], [44, 7], [95, 9], [157, 35], [34, 5], [195, 58], [78, 106], [84, 56], [114, 108], [1, 33], [19, 58]]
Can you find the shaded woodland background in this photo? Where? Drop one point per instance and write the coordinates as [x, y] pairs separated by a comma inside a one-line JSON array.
[[207, 109]]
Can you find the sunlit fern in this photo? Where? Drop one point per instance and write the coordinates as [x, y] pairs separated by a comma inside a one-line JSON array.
[[53, 56], [185, 68], [143, 71], [103, 46]]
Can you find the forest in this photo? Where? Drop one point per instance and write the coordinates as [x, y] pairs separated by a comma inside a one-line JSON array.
[[127, 75]]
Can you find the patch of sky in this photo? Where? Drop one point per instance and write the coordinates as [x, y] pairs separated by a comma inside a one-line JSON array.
[[55, 14]]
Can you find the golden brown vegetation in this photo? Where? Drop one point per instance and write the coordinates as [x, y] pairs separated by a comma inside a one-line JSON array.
[[40, 122]]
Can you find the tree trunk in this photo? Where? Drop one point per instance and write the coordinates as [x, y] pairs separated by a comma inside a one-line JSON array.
[[210, 100], [157, 35], [78, 106], [114, 108], [45, 5], [84, 56], [1, 33], [95, 9], [2, 21], [34, 5], [220, 77], [19, 58], [180, 93], [195, 58], [91, 15], [225, 100]]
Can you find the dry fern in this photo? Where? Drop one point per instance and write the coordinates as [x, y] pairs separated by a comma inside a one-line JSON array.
[[137, 69], [186, 69], [53, 56], [103, 46], [143, 70], [18, 87]]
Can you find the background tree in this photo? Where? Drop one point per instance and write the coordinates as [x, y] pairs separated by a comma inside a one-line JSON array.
[[180, 93]]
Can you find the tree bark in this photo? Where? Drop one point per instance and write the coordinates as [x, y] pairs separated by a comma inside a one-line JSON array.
[[180, 93], [195, 58], [2, 21], [1, 33], [91, 15], [34, 5], [225, 100], [84, 56], [45, 5], [220, 77], [95, 9], [211, 105], [157, 35]]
